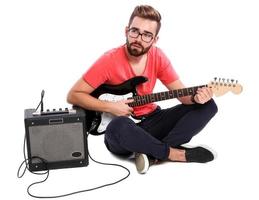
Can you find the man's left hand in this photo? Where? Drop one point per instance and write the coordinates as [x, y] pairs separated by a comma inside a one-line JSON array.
[[203, 95]]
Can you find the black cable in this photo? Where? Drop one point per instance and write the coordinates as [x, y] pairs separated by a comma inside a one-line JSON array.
[[47, 172], [25, 161], [41, 101], [38, 106]]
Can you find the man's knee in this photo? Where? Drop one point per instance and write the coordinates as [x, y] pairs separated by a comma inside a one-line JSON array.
[[211, 107], [118, 124]]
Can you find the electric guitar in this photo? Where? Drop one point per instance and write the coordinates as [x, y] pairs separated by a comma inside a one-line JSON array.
[[97, 122]]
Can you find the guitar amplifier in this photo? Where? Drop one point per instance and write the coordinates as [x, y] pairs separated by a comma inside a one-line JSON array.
[[56, 139]]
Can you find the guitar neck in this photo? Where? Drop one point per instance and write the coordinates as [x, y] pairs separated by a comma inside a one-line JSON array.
[[160, 96]]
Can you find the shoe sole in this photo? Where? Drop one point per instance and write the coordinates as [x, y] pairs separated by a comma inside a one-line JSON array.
[[146, 164]]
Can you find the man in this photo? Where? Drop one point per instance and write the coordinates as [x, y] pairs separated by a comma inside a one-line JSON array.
[[161, 132]]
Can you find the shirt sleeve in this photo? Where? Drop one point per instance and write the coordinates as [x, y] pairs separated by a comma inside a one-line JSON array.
[[166, 73], [97, 74]]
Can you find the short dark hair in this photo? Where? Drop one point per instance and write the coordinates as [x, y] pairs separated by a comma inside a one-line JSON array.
[[146, 12]]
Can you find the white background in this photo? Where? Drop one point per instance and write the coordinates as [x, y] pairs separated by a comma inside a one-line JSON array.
[[49, 44]]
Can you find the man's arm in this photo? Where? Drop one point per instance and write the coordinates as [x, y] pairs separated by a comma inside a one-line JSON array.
[[202, 95], [79, 95]]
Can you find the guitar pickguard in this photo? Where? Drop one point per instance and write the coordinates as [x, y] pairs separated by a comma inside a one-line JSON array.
[[114, 98], [106, 118]]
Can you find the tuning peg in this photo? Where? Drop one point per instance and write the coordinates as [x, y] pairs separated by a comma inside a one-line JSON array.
[[235, 83], [220, 80], [224, 83], [215, 79], [232, 80], [229, 83]]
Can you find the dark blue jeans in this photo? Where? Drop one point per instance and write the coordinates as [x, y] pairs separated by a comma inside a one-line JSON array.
[[160, 130]]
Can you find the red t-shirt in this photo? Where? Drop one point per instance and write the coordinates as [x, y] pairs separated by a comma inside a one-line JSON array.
[[113, 68]]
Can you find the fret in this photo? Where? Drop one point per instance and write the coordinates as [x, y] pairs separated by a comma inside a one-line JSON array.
[[191, 91], [139, 100], [180, 92], [163, 95], [175, 93], [152, 98], [143, 99], [167, 95], [148, 98], [156, 95], [185, 92], [160, 96], [172, 94], [136, 100]]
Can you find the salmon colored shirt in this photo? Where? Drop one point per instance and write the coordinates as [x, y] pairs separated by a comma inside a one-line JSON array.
[[113, 68]]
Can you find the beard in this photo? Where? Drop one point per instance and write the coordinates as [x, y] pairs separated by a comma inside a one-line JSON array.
[[136, 51]]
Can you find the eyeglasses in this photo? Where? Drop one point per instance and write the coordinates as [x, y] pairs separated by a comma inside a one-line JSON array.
[[134, 33]]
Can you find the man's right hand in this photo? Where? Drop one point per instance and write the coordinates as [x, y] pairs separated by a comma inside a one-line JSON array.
[[121, 108]]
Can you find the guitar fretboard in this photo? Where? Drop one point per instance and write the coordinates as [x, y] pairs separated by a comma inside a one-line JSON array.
[[160, 96]]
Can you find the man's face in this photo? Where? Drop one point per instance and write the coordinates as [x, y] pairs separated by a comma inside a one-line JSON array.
[[140, 36]]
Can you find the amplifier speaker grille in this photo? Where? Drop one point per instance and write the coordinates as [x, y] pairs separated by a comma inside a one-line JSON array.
[[60, 145]]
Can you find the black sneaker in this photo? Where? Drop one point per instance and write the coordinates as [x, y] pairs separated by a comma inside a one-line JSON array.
[[197, 154]]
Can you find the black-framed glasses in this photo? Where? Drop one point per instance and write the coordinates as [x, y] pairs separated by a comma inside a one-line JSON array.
[[146, 36]]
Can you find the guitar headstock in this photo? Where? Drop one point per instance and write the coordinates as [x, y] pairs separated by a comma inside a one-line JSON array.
[[220, 86]]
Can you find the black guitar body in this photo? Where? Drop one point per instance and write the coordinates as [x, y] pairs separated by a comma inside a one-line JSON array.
[[93, 118]]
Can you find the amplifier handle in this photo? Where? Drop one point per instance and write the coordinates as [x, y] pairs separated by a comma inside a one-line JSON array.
[[56, 121]]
